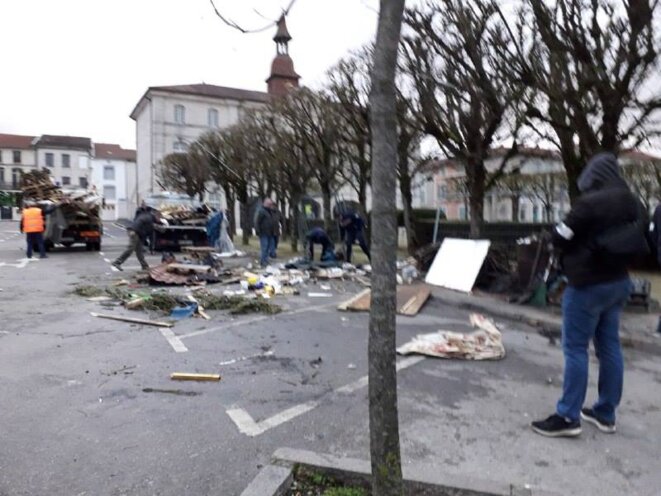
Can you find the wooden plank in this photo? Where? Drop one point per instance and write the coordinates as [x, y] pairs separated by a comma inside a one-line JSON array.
[[187, 268], [198, 249], [413, 305], [132, 320], [184, 376], [354, 301], [410, 300]]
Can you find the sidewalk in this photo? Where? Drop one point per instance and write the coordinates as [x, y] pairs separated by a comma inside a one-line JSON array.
[[637, 329]]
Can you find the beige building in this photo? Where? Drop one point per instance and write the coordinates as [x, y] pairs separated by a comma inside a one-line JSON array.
[[169, 118], [17, 156]]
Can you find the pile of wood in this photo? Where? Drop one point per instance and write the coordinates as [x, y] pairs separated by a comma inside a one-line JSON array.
[[182, 214], [37, 186]]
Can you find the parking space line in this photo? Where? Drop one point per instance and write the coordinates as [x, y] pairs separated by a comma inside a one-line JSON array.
[[253, 320], [174, 341], [247, 425]]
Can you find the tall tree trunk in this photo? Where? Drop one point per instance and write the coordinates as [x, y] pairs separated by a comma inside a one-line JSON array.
[[407, 207], [476, 178], [515, 198], [295, 221], [231, 211], [384, 425], [326, 201], [242, 195]]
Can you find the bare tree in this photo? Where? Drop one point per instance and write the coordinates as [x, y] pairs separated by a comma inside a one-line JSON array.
[[644, 178], [349, 82], [591, 64], [452, 54], [185, 172], [384, 423], [314, 121]]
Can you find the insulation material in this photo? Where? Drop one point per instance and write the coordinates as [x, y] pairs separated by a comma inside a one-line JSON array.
[[457, 263], [484, 344]]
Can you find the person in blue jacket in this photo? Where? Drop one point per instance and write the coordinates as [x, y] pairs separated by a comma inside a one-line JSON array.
[[213, 228], [318, 236], [352, 226]]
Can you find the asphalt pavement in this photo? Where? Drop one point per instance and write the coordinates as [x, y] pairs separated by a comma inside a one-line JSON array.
[[88, 408]]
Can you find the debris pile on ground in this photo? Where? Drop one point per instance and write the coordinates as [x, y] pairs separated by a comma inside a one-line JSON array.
[[483, 344], [166, 303], [184, 215]]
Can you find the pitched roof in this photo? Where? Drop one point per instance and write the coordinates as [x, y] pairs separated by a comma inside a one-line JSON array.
[[112, 151], [53, 141], [208, 90], [282, 34], [16, 141]]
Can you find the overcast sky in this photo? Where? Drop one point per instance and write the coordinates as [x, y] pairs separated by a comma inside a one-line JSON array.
[[78, 67]]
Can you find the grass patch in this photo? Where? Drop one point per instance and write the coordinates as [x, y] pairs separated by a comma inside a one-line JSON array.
[[311, 483], [87, 291]]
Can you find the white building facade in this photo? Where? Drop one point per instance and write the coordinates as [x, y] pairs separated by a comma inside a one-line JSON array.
[[114, 177], [67, 158]]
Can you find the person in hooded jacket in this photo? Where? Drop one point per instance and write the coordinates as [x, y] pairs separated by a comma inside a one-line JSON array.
[[598, 287]]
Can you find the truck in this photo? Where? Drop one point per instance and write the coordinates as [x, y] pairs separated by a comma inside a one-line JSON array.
[[187, 220], [72, 216]]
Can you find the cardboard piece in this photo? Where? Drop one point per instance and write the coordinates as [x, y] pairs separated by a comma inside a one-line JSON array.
[[458, 263], [410, 299]]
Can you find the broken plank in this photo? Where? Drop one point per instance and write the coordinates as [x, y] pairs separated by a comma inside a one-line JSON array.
[[132, 320], [413, 305], [349, 304], [175, 267], [184, 376]]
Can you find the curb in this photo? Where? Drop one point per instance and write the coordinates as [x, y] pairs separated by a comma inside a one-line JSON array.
[[419, 480], [272, 480], [547, 325]]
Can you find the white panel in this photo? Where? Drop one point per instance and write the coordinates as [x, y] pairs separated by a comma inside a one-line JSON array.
[[458, 263]]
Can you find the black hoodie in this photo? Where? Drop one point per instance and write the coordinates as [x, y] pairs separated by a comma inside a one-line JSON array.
[[605, 202]]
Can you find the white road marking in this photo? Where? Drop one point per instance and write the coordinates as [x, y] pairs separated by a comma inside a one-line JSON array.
[[364, 381], [101, 254], [247, 425], [106, 260], [243, 358], [253, 320], [174, 340], [22, 262]]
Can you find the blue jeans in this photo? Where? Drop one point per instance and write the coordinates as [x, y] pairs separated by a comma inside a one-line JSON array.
[[35, 239], [592, 312], [266, 247]]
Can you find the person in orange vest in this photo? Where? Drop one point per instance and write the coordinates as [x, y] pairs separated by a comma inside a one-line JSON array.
[[32, 224]]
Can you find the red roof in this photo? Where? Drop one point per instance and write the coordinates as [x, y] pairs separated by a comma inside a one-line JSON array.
[[209, 90], [55, 141], [639, 156], [16, 141], [112, 151]]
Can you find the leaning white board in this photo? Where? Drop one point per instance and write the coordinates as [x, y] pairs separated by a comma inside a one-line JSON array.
[[458, 263]]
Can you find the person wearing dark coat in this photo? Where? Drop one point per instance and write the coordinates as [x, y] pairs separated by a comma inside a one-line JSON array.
[[266, 230], [655, 242], [598, 287], [139, 231], [352, 226], [318, 236]]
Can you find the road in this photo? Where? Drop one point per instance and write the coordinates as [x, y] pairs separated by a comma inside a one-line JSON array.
[[88, 407]]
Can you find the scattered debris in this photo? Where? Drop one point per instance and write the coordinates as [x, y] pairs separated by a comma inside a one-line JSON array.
[[351, 366], [88, 291], [125, 369], [178, 392], [320, 295], [184, 376], [243, 358], [484, 344], [132, 320], [99, 299]]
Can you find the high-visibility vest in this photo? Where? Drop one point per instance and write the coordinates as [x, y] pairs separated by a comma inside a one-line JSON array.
[[33, 220]]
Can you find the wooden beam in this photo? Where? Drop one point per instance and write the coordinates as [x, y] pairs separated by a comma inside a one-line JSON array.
[[132, 320]]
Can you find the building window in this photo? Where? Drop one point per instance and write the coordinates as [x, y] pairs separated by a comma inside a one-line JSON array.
[[66, 181], [109, 193], [17, 156], [0, 156], [50, 160], [462, 212], [2, 174], [82, 182], [109, 172], [66, 160], [179, 114], [179, 147], [212, 118], [16, 176]]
